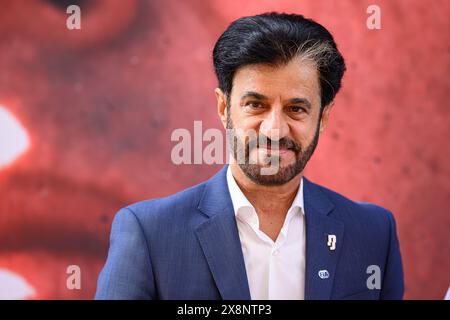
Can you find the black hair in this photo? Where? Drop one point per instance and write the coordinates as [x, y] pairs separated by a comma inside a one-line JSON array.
[[276, 38]]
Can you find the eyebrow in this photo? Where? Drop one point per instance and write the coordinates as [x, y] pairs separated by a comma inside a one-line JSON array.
[[252, 94]]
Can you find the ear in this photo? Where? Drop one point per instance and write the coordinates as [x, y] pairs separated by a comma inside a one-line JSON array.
[[221, 106], [325, 116]]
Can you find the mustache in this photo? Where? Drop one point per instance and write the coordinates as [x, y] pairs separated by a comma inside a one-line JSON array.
[[266, 142]]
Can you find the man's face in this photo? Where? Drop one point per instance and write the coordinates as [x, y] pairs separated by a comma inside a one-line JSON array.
[[281, 104]]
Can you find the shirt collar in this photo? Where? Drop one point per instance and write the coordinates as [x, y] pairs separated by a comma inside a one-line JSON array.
[[240, 201]]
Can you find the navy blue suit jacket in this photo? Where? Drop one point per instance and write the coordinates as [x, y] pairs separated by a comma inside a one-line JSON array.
[[186, 246]]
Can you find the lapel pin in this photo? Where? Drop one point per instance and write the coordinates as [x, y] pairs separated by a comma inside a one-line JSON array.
[[331, 243], [324, 274]]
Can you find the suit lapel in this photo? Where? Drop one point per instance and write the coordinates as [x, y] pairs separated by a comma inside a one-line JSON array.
[[219, 239], [320, 260]]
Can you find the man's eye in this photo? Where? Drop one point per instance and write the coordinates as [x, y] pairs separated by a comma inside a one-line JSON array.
[[254, 105], [297, 109]]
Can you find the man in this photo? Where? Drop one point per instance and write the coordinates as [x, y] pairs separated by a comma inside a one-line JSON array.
[[248, 233]]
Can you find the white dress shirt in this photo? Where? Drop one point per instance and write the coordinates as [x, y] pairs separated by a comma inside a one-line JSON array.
[[275, 270]]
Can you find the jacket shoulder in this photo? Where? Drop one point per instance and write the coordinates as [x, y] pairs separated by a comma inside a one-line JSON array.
[[357, 210], [181, 202]]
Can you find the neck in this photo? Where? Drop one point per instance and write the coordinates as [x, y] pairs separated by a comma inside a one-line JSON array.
[[266, 197]]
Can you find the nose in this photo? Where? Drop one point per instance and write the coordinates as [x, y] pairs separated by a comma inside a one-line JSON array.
[[274, 125]]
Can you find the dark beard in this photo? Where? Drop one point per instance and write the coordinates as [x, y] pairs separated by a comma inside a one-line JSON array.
[[283, 174]]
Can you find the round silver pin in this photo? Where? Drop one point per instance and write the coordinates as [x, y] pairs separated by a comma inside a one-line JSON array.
[[324, 274]]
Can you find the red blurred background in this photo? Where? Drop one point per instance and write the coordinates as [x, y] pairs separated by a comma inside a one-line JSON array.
[[99, 104]]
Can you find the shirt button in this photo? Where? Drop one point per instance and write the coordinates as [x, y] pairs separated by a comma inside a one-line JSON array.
[[275, 252]]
